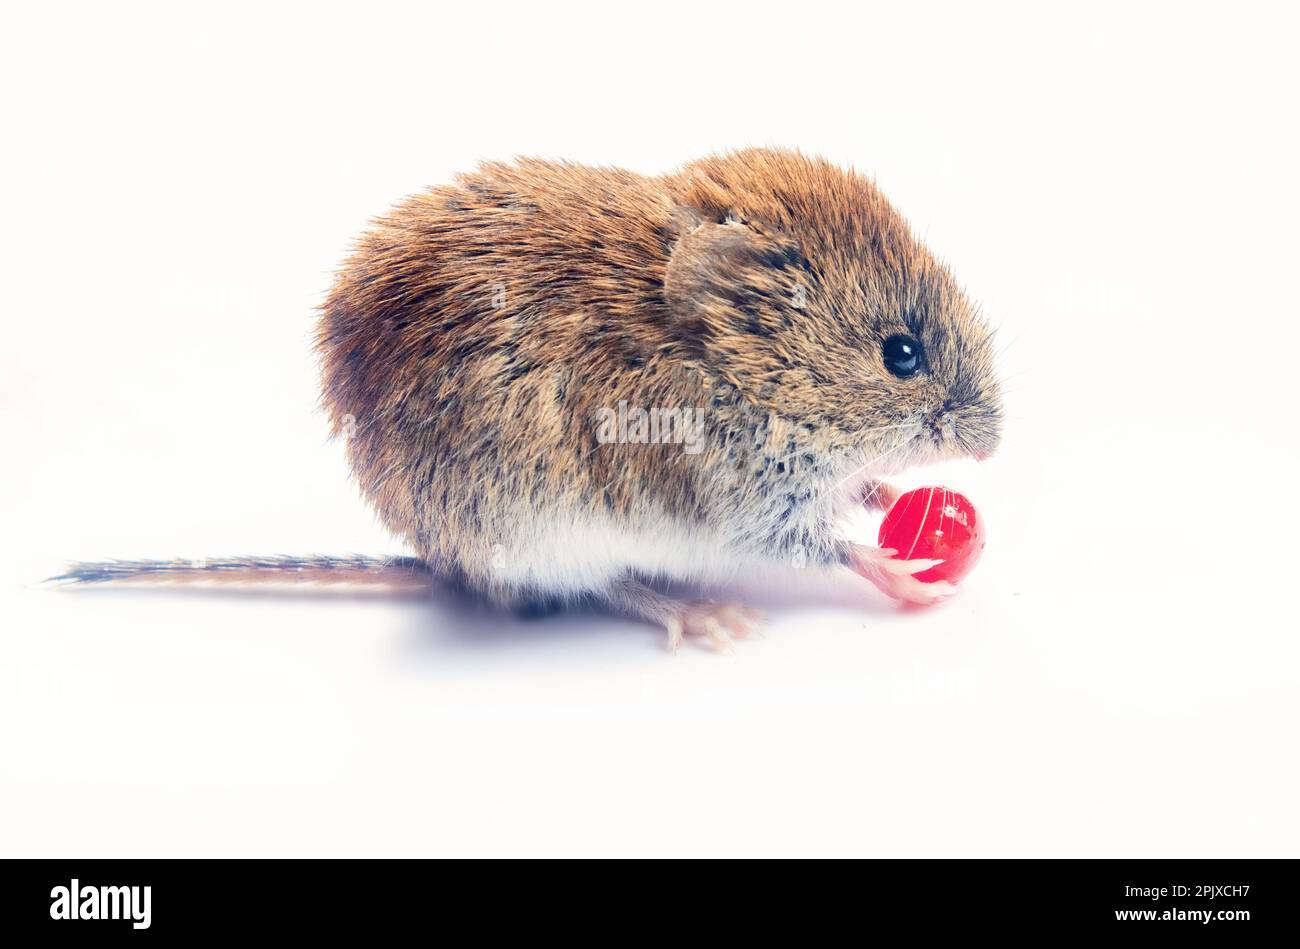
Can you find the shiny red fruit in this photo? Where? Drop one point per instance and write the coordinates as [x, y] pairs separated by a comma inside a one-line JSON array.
[[935, 524]]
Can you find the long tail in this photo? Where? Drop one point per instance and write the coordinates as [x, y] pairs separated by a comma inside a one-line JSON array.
[[394, 571]]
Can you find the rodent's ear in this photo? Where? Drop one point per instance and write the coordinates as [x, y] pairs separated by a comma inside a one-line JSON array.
[[716, 268]]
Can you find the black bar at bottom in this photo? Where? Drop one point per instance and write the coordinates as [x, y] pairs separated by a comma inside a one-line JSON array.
[[129, 900]]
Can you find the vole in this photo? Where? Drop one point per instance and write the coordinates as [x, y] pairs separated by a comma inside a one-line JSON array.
[[561, 383]]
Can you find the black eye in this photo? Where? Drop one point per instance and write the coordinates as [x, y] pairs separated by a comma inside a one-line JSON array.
[[902, 356]]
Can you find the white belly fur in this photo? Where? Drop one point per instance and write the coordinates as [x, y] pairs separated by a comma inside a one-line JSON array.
[[586, 554]]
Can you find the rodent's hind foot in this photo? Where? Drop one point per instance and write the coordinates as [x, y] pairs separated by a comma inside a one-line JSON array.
[[718, 623]]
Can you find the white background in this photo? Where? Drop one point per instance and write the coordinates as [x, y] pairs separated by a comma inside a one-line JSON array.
[[1119, 677]]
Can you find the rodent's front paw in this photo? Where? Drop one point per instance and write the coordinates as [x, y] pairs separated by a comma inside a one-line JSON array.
[[896, 577], [878, 495], [922, 593]]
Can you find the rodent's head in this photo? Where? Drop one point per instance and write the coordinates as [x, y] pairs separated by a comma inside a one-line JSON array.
[[799, 284]]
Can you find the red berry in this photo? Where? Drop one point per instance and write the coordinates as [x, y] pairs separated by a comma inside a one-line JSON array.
[[935, 524]]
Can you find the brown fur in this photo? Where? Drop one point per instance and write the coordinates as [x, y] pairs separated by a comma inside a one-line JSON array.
[[478, 328]]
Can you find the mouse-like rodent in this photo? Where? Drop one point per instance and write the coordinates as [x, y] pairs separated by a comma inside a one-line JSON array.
[[561, 383]]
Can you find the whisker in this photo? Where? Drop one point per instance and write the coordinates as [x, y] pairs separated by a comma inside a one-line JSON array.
[[902, 443], [870, 431]]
